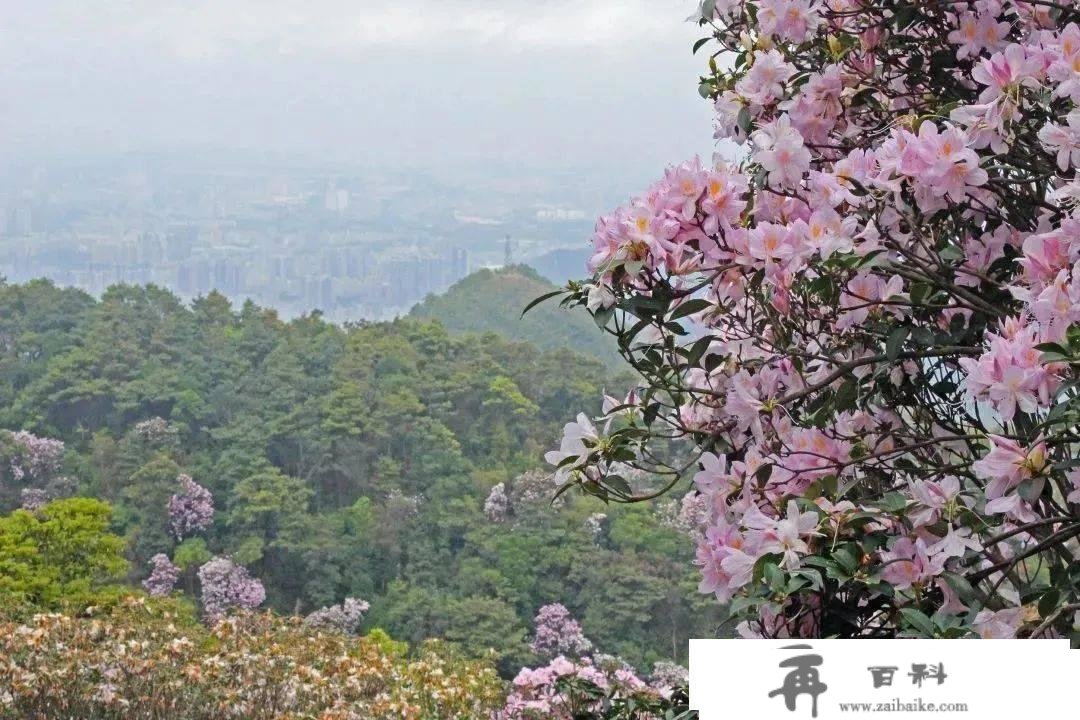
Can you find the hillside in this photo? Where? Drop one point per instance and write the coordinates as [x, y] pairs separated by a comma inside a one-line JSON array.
[[492, 301], [391, 462]]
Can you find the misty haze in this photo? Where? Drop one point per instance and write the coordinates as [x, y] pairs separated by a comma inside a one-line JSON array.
[[345, 156]]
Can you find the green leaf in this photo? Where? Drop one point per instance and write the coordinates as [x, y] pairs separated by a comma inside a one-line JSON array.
[[847, 394], [689, 307], [698, 349], [960, 586], [743, 119], [618, 485], [603, 316], [918, 620], [893, 502], [774, 576], [1049, 602], [700, 43], [846, 559], [895, 342], [542, 298]]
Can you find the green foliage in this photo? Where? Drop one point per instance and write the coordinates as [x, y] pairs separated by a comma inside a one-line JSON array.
[[344, 462], [63, 553]]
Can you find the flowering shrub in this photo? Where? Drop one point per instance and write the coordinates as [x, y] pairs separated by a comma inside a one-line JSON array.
[[190, 510], [558, 633], [156, 432], [36, 458], [33, 499], [505, 501], [576, 686], [600, 687], [226, 585], [345, 617], [149, 659], [163, 576], [866, 331]]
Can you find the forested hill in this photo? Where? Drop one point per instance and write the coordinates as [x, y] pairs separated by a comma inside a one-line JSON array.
[[344, 462], [492, 300]]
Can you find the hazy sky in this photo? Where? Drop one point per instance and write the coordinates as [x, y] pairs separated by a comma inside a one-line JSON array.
[[591, 83]]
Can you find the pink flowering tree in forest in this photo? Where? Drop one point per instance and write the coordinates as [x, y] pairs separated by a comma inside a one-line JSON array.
[[163, 576], [558, 633], [858, 336], [190, 510], [225, 586]]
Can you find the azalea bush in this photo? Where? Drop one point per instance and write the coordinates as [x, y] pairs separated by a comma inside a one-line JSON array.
[[153, 659], [859, 342], [30, 469], [578, 684]]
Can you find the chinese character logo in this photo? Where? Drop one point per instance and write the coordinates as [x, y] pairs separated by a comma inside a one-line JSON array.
[[802, 679], [883, 674], [920, 672]]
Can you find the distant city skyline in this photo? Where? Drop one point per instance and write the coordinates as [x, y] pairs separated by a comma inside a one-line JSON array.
[[354, 244]]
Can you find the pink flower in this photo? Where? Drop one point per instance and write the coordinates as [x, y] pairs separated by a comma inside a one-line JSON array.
[[827, 233], [579, 439], [1008, 464], [713, 474], [977, 33], [1064, 70], [998, 624], [910, 563], [771, 243], [1003, 70], [764, 82], [1010, 374], [933, 496], [720, 574], [1063, 140], [344, 617], [779, 149], [793, 20]]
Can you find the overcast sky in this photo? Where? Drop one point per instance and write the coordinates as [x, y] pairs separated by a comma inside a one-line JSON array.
[[592, 83]]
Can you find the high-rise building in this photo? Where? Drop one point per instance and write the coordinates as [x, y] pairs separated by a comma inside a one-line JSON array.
[[459, 263]]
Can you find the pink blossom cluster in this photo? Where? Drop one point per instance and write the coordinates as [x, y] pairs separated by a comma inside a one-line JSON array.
[[667, 676], [558, 633], [191, 510], [38, 458], [345, 617], [542, 693], [33, 499], [497, 505], [226, 585], [154, 431], [566, 687], [163, 576], [507, 500], [869, 327]]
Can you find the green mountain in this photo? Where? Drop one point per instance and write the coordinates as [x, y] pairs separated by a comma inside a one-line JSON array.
[[492, 301], [391, 462]]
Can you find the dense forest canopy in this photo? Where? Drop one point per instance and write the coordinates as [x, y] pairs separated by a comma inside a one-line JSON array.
[[343, 462]]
